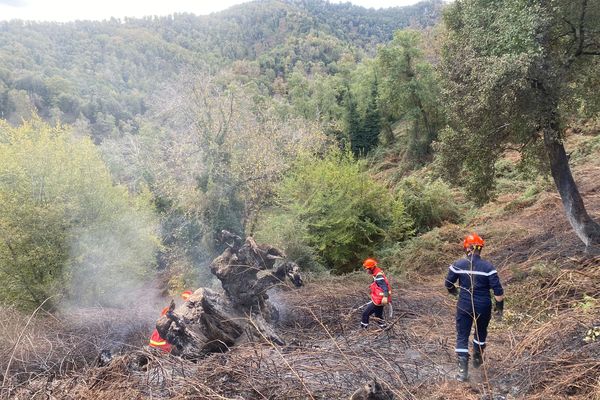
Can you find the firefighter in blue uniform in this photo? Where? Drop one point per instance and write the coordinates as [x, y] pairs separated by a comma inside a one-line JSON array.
[[476, 277], [380, 294]]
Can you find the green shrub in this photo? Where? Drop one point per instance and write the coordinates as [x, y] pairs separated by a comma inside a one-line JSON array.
[[65, 229], [529, 196], [340, 211], [428, 254], [588, 148], [429, 203]]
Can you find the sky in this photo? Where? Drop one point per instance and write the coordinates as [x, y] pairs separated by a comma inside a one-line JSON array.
[[70, 10]]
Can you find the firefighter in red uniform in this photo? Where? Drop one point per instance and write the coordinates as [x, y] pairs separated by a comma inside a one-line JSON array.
[[158, 342], [380, 294]]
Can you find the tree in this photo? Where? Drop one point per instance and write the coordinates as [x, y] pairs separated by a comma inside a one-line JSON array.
[[508, 65], [409, 91], [66, 231], [213, 164], [354, 127], [244, 150], [372, 124]]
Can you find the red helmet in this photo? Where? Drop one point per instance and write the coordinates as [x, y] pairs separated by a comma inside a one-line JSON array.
[[369, 263], [186, 295], [473, 240]]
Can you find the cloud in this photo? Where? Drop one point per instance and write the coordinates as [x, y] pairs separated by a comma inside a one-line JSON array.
[[13, 3]]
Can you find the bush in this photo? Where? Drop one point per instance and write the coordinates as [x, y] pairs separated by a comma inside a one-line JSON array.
[[586, 149], [429, 203], [529, 196], [284, 231], [428, 254], [340, 211], [65, 229]]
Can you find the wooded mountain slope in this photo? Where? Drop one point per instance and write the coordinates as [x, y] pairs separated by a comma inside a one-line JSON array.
[[100, 73]]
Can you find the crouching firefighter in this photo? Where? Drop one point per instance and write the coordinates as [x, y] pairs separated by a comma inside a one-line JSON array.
[[156, 341], [380, 294], [476, 277]]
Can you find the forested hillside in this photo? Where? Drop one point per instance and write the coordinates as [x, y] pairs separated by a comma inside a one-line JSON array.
[[260, 155], [99, 74]]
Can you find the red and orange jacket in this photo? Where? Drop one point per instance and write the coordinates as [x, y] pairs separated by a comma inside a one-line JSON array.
[[158, 342], [380, 287]]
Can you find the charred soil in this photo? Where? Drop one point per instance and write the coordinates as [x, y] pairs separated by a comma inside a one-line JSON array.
[[541, 349]]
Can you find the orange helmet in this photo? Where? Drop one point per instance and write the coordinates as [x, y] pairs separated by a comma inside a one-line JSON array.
[[369, 263], [473, 240], [186, 295]]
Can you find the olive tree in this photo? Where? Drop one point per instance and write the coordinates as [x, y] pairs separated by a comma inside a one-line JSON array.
[[508, 65]]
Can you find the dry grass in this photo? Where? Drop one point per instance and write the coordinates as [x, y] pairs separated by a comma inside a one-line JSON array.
[[537, 352], [48, 347], [328, 356]]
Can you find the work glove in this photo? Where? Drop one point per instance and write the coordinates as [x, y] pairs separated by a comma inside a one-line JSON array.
[[499, 310], [453, 291], [384, 301]]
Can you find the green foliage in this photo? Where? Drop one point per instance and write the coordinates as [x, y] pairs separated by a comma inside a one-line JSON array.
[[314, 96], [410, 92], [485, 83], [464, 159], [426, 254], [362, 118], [361, 140], [588, 148], [102, 73], [339, 211], [529, 196], [512, 69], [371, 124], [370, 26], [285, 231], [582, 100], [429, 203], [65, 229]]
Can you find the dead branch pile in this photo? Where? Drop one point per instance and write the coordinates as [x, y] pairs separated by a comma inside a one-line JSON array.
[[56, 346], [538, 351]]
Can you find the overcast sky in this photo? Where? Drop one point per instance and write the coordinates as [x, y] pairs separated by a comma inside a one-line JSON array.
[[70, 10]]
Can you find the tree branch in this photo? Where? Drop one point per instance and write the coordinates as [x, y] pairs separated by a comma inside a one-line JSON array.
[[573, 30], [581, 28]]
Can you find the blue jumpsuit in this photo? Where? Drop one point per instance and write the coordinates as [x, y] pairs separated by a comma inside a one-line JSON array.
[[476, 277]]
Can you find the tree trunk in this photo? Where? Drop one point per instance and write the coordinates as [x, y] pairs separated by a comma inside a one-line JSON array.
[[585, 227]]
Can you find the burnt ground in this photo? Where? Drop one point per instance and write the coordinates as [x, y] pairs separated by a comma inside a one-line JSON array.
[[537, 352]]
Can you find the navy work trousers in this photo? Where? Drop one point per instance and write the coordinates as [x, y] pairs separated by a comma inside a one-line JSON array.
[[464, 322], [371, 309]]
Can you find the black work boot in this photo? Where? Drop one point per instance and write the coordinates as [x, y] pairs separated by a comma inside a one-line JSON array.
[[477, 358], [463, 368]]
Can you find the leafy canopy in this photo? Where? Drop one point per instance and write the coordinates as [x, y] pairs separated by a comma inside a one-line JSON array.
[[509, 68], [65, 228], [339, 210]]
